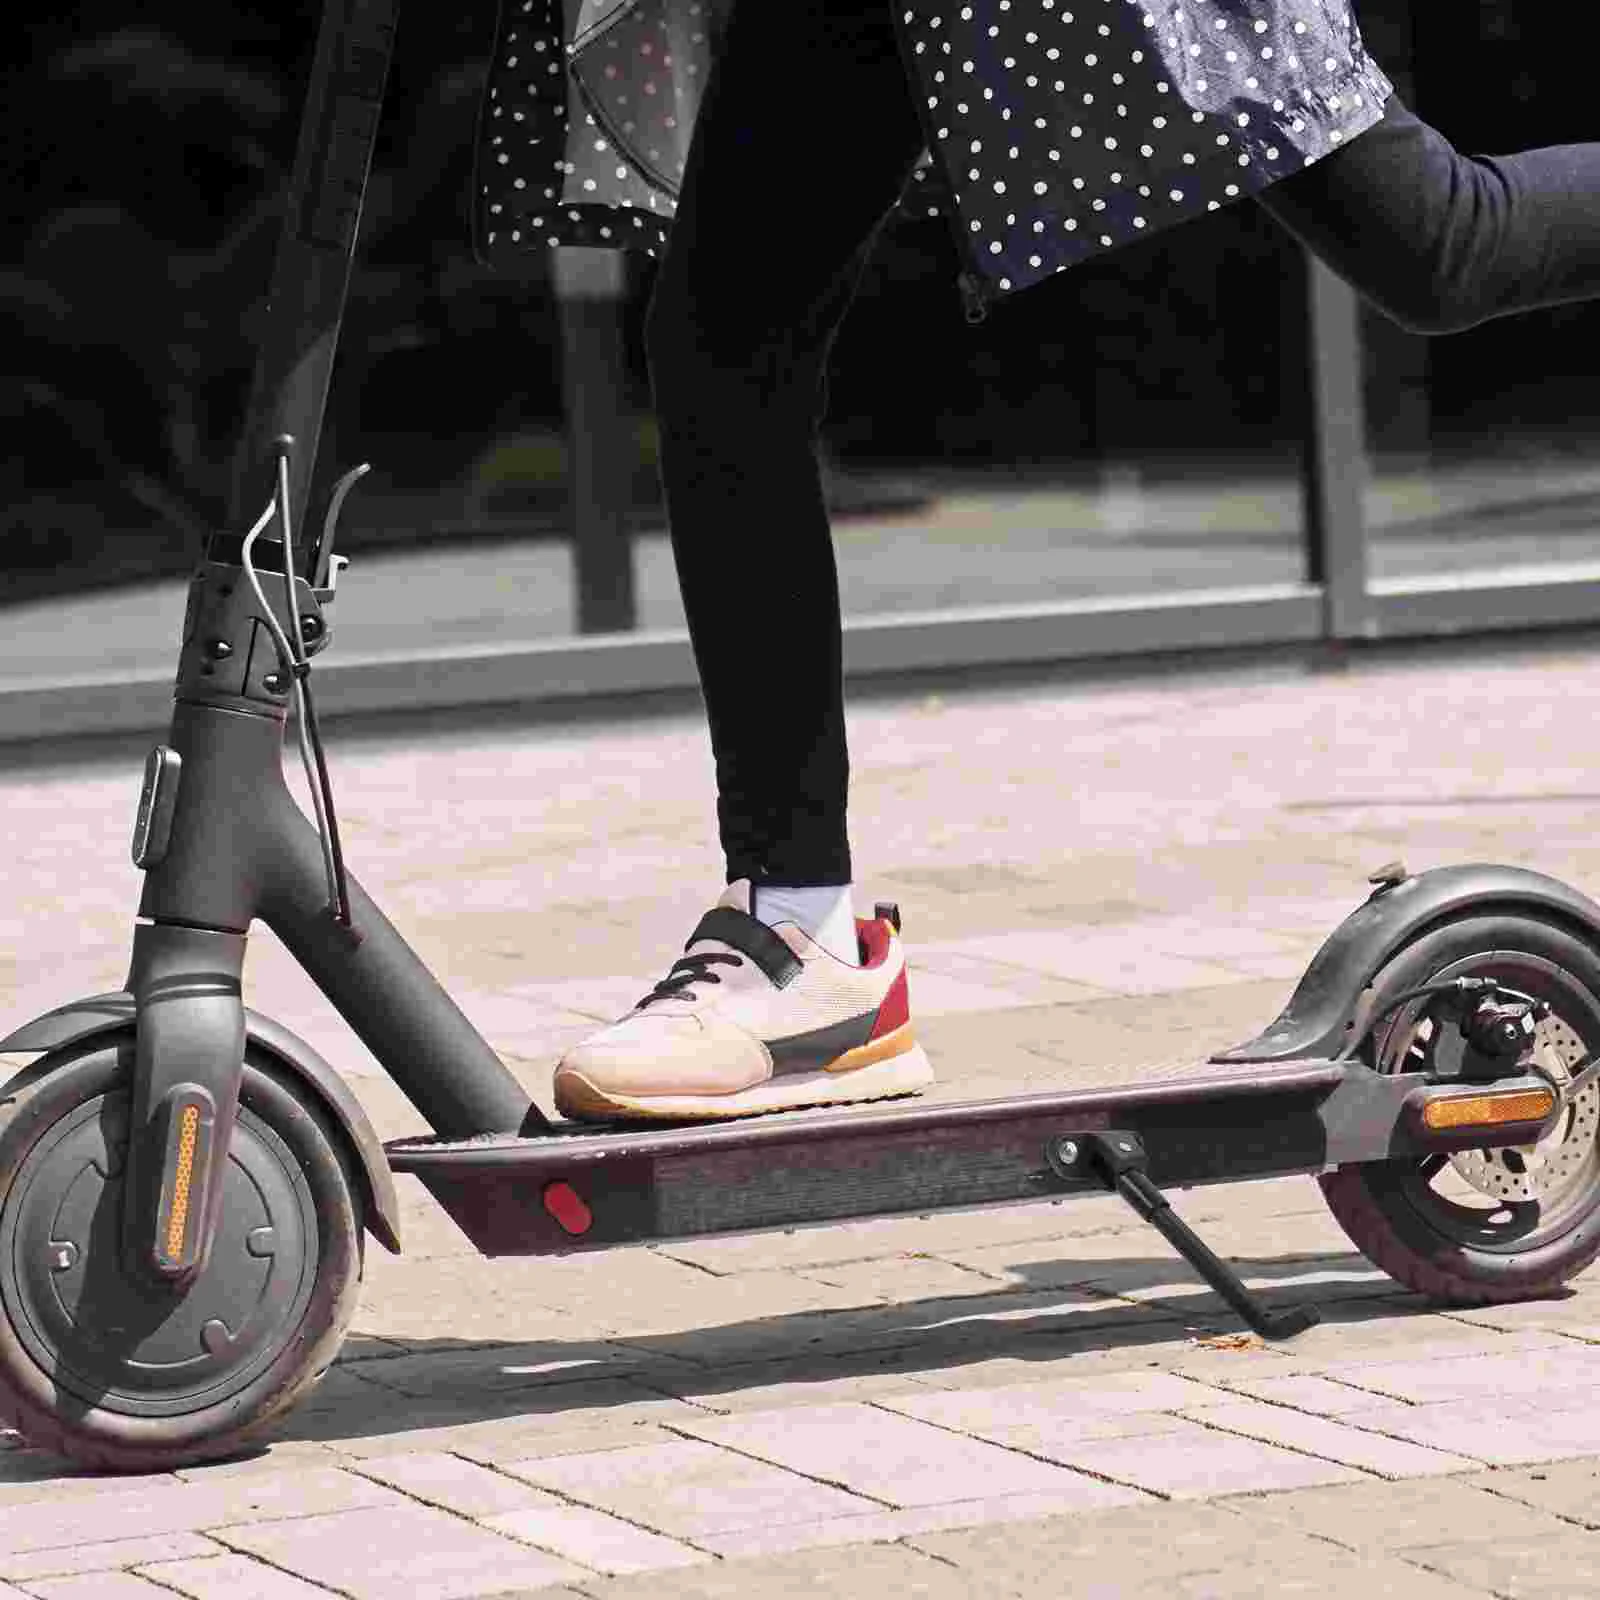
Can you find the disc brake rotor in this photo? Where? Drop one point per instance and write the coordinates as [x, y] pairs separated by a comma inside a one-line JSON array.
[[1531, 1171]]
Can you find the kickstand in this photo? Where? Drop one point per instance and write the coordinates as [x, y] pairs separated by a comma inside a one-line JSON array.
[[1118, 1161]]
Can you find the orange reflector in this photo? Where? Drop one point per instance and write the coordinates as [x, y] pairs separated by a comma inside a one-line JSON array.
[[179, 1223], [566, 1205], [1484, 1110], [188, 1126]]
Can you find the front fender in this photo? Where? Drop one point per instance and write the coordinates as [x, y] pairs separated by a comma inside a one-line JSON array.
[[112, 1013], [1313, 1022]]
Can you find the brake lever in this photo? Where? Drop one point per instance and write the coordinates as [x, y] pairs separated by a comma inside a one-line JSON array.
[[330, 523]]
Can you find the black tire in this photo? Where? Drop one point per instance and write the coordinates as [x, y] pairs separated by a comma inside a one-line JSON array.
[[170, 1377], [1500, 1249]]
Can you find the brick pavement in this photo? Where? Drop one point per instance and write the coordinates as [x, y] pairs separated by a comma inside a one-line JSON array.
[[1094, 878]]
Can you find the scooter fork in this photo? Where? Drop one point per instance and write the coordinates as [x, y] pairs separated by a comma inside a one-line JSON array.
[[201, 849], [188, 1064]]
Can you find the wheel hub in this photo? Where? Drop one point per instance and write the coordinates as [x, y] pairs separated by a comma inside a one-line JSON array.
[[124, 1342], [1532, 1171]]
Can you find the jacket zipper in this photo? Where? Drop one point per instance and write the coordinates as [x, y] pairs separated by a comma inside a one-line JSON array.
[[976, 293]]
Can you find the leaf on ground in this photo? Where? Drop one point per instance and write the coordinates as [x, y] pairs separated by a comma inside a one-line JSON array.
[[1230, 1341]]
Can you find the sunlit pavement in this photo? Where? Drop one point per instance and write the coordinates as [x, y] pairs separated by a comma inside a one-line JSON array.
[[991, 1403]]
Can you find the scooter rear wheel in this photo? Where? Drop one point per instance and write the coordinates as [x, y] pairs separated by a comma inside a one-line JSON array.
[[1508, 1223], [116, 1369]]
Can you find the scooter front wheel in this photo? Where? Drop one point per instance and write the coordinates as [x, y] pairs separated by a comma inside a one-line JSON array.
[[116, 1369], [1508, 1223]]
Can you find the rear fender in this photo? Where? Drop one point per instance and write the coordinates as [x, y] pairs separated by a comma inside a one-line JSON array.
[[1316, 1021]]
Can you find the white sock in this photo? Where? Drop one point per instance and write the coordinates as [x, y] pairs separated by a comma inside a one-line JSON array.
[[826, 915]]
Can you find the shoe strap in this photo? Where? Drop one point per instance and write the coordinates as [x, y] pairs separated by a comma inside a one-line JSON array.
[[751, 938]]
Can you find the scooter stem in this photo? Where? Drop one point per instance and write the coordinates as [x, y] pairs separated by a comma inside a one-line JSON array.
[[233, 846]]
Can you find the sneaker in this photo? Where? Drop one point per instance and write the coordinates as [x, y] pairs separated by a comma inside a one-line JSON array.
[[754, 1019]]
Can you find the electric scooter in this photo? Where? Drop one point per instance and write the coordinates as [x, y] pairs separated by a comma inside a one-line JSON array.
[[186, 1187]]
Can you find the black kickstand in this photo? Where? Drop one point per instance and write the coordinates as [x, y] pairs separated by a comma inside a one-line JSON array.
[[1118, 1161]]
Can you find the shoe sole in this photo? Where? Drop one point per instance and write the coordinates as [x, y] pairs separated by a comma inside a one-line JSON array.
[[906, 1072]]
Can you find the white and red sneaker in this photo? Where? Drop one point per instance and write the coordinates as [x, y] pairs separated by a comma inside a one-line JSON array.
[[754, 1019]]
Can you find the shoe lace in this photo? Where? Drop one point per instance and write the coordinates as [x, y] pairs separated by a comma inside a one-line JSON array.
[[688, 971]]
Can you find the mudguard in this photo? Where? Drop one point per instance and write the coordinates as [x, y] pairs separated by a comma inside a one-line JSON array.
[[1393, 916], [111, 1013]]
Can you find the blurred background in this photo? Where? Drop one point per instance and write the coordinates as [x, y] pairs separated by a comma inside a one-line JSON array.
[[1135, 427]]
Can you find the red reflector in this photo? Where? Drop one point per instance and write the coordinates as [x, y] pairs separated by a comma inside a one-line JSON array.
[[565, 1204]]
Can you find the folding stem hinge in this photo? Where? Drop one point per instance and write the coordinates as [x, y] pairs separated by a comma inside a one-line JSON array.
[[1117, 1160]]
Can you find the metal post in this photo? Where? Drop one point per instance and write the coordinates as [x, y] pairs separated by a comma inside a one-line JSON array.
[[590, 287], [311, 274], [1336, 455]]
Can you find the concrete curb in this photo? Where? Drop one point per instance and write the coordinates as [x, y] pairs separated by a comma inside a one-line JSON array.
[[647, 662]]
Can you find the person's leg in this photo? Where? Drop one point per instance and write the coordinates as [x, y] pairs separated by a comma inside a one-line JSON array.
[[805, 138], [1442, 241], [803, 143]]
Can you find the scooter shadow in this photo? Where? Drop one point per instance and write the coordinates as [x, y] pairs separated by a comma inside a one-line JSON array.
[[379, 1389]]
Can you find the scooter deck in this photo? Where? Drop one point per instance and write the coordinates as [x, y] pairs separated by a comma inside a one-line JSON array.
[[581, 1186]]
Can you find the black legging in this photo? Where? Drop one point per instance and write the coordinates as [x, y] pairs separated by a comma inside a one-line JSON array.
[[806, 136]]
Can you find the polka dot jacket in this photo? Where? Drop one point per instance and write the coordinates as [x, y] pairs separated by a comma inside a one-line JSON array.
[[1057, 129]]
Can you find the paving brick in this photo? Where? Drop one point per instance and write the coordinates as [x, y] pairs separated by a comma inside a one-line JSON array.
[[231, 1577], [891, 1458], [455, 1484], [1225, 942], [1569, 1489], [280, 1455], [514, 1366], [1041, 1440], [185, 1507], [1386, 1328], [1091, 1499], [937, 994], [1332, 1441], [864, 1572], [1273, 1252], [900, 1279], [1162, 1281], [944, 1328], [1331, 1577], [505, 1439], [543, 1592], [27, 1475], [1026, 1412], [1219, 1357], [1575, 1312], [690, 1488], [463, 1298], [1555, 1369], [1188, 1461], [108, 1556], [1562, 1565], [1119, 963], [1303, 1393], [594, 1539], [735, 1306], [1394, 1517], [1146, 1343], [1511, 1430], [1114, 1550], [98, 1586], [401, 1425], [871, 1238], [770, 1385], [398, 1553]]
